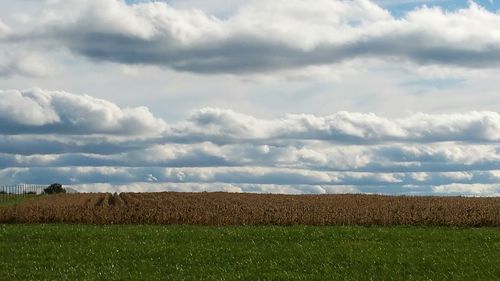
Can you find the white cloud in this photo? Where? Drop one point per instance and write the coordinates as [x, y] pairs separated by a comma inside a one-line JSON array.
[[273, 35], [225, 125], [450, 189], [4, 29], [403, 2], [259, 179], [212, 187], [24, 63], [308, 155], [214, 137], [16, 108], [48, 136], [242, 175], [40, 111], [16, 59], [469, 189]]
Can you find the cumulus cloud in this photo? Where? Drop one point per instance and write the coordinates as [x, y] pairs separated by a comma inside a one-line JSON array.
[[4, 29], [269, 180], [19, 60], [320, 156], [40, 111], [214, 187], [58, 144], [49, 136], [241, 175], [266, 36], [24, 64], [226, 125], [96, 145], [451, 189], [469, 189]]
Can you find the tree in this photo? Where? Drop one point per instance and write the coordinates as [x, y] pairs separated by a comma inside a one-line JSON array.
[[54, 189]]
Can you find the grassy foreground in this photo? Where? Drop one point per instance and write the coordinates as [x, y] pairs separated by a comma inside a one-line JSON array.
[[87, 252]]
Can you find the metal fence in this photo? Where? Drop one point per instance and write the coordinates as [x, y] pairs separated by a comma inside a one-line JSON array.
[[10, 192]]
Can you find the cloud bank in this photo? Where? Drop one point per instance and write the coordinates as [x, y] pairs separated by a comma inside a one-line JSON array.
[[49, 136], [96, 144], [39, 111], [263, 36], [219, 124], [4, 29]]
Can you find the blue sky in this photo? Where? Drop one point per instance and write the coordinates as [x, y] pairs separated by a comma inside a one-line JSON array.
[[284, 96], [401, 7]]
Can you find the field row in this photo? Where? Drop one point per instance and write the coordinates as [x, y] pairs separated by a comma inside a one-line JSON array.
[[255, 209]]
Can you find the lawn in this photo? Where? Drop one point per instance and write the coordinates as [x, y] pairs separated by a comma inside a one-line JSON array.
[[87, 252]]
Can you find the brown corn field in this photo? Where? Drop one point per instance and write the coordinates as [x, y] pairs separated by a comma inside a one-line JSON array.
[[219, 209]]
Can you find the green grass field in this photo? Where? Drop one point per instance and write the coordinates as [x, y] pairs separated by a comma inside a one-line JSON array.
[[87, 252]]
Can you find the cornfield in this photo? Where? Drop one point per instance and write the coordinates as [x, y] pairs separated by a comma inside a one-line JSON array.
[[219, 209]]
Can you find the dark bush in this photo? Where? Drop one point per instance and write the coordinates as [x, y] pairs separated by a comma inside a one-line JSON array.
[[54, 189]]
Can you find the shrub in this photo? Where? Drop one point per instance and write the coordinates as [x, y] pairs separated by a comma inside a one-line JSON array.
[[54, 189]]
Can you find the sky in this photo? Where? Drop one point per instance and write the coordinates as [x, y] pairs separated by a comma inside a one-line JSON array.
[[285, 96]]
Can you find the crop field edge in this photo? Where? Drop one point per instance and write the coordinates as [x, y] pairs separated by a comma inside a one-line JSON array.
[[254, 209]]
